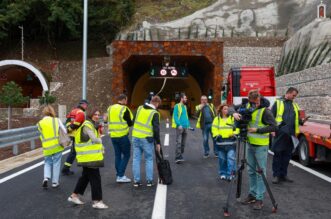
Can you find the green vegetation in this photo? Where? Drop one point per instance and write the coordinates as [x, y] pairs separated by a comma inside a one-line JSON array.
[[167, 10], [11, 95], [55, 20], [47, 99]]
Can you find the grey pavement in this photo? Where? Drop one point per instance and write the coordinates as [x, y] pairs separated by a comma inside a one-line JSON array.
[[195, 193]]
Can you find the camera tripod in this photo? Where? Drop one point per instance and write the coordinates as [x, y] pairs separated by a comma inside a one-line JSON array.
[[241, 142]]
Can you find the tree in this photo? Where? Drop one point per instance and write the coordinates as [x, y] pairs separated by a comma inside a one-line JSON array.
[[11, 95], [51, 20], [47, 98]]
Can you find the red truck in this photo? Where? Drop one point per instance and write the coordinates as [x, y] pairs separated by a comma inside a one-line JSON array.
[[314, 142], [315, 136], [243, 79]]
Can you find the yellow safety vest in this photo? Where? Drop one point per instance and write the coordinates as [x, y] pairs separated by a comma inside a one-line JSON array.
[[256, 122], [142, 126], [211, 107], [49, 135], [117, 126], [178, 105], [280, 112], [87, 152], [223, 128]]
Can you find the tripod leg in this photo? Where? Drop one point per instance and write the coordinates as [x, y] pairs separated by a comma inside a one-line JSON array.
[[260, 171], [226, 212]]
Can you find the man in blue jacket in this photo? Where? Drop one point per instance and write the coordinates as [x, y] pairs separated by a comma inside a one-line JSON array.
[[181, 123]]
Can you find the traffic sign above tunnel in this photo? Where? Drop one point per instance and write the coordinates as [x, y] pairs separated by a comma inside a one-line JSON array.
[[133, 59]]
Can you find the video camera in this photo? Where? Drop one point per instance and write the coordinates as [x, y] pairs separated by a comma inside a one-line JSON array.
[[149, 97], [246, 116]]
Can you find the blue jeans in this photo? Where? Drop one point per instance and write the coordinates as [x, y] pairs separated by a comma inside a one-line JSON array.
[[206, 131], [227, 160], [256, 185], [52, 167], [140, 146], [122, 148]]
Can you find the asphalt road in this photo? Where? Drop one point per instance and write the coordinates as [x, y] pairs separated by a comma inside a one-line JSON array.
[[195, 193]]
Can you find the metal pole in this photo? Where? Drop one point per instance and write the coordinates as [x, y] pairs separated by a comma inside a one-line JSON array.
[[84, 48], [22, 41]]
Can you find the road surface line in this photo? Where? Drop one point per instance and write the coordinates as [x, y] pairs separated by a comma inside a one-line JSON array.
[[160, 202], [314, 172], [26, 170], [166, 140], [167, 125]]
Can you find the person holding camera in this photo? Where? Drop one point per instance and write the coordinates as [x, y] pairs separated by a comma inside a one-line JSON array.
[[223, 132], [206, 113], [286, 112], [261, 124]]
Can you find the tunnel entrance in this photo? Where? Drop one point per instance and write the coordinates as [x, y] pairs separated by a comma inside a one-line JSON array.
[[139, 83], [132, 61], [25, 75]]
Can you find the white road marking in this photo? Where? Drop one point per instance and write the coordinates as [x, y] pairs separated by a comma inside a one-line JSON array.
[[26, 169], [160, 202], [166, 140], [307, 169], [167, 125]]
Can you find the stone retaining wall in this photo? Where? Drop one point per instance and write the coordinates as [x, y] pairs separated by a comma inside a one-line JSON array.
[[250, 56], [314, 85]]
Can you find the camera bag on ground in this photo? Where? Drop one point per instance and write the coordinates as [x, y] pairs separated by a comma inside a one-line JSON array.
[[163, 167]]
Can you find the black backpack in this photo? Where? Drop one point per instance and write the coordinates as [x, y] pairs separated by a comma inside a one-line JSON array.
[[163, 167]]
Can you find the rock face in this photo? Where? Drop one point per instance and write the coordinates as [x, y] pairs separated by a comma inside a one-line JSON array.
[[232, 18], [309, 47], [314, 85]]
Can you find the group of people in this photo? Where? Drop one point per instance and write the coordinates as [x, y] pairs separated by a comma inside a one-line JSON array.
[[282, 122], [85, 131]]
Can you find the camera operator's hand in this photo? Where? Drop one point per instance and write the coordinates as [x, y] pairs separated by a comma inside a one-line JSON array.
[[252, 130], [236, 116]]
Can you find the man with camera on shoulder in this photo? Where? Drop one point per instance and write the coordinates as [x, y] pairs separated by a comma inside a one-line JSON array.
[[261, 123]]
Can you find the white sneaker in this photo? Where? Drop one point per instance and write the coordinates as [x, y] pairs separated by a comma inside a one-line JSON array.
[[100, 205], [75, 200], [55, 185], [123, 179]]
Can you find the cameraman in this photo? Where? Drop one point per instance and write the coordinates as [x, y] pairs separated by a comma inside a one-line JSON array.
[[261, 124]]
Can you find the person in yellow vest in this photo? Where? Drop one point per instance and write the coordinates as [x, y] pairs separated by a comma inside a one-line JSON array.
[[223, 133], [181, 123], [286, 112], [145, 134], [259, 127], [120, 119], [89, 155], [49, 128], [206, 113]]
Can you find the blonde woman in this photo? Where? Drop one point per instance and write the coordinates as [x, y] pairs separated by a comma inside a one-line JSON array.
[[49, 128]]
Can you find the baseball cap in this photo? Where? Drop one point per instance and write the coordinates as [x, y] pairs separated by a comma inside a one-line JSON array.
[[84, 101]]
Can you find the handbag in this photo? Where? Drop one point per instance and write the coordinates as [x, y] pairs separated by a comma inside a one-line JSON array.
[[64, 139], [163, 167]]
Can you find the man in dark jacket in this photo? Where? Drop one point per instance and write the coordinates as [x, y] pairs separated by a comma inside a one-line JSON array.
[[146, 136], [206, 113], [286, 113]]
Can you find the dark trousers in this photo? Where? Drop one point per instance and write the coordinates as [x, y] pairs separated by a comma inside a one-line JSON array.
[[122, 148], [72, 155], [280, 162], [92, 176]]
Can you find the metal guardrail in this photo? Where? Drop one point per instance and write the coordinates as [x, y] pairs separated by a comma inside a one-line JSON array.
[[13, 137]]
